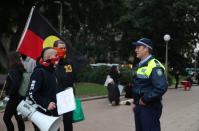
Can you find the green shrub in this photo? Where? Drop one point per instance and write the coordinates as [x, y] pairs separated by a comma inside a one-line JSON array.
[[125, 76], [84, 74], [93, 74], [3, 70], [98, 75], [170, 79]]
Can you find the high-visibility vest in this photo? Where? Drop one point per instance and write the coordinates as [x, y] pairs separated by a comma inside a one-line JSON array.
[[144, 72]]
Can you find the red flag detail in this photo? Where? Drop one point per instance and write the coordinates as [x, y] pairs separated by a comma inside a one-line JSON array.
[[31, 45]]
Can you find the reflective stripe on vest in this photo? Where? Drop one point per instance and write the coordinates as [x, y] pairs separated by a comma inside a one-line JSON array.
[[145, 71]]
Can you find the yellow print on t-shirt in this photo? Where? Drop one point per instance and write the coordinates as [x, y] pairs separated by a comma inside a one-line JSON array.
[[68, 68]]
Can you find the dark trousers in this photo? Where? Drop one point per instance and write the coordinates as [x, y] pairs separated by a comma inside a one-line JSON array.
[[11, 111], [177, 82], [113, 93], [68, 121], [148, 118]]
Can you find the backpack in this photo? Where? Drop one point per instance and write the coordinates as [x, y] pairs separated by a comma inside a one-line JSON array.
[[24, 83]]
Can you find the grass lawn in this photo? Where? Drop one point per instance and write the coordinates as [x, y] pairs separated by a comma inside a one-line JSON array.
[[90, 89]]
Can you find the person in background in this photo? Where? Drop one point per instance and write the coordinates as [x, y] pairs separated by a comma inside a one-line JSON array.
[[128, 90], [188, 85], [28, 63], [177, 73], [65, 78], [189, 79], [13, 82], [43, 86], [113, 90], [149, 85], [197, 78]]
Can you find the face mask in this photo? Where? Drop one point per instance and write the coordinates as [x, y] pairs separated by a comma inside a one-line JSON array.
[[52, 61], [60, 52]]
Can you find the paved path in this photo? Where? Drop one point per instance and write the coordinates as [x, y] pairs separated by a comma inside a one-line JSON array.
[[180, 113]]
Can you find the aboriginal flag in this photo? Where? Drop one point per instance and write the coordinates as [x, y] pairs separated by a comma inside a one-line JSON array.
[[38, 34]]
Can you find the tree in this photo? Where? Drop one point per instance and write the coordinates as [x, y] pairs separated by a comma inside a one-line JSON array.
[[105, 29], [154, 18], [87, 24]]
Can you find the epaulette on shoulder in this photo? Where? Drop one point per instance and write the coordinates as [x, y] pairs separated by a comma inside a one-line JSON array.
[[157, 63]]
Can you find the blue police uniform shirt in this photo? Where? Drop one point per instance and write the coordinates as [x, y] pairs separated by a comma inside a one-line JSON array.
[[152, 89]]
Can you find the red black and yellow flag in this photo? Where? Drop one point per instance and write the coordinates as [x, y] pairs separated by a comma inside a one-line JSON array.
[[39, 33]]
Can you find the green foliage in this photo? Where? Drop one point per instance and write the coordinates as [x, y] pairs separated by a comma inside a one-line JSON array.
[[125, 76], [2, 70], [98, 75], [90, 89], [84, 74], [171, 79], [94, 26], [93, 74]]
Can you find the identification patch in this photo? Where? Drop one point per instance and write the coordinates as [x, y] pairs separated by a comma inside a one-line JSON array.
[[143, 70], [68, 68], [159, 72]]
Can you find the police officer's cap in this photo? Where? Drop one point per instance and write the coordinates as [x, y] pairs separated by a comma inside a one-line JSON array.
[[145, 42]]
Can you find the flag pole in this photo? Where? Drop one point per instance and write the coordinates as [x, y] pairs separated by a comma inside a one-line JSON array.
[[26, 26]]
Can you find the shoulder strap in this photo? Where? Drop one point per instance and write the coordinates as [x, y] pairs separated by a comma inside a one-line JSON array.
[[152, 64], [155, 63]]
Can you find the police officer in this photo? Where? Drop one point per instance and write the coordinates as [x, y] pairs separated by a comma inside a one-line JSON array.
[[65, 78], [149, 85]]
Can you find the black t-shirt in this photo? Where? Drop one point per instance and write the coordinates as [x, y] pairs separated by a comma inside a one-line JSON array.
[[13, 82], [64, 74]]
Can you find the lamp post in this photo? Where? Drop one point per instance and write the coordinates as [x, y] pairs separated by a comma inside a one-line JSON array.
[[60, 15], [166, 39]]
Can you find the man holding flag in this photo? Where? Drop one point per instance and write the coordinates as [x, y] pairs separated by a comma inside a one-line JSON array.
[[38, 34]]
